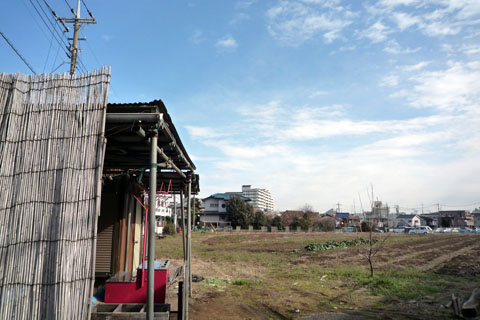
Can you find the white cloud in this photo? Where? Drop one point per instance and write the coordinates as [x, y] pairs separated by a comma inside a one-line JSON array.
[[434, 18], [296, 150], [395, 3], [389, 81], [456, 88], [239, 17], [377, 32], [107, 37], [245, 4], [227, 42], [404, 20], [439, 28], [197, 37], [470, 49], [294, 22], [203, 132], [318, 93], [416, 67], [394, 48]]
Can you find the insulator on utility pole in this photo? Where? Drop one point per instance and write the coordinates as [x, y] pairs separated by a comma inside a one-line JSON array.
[[77, 23]]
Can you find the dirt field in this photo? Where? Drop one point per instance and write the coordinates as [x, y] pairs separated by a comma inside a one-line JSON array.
[[268, 276]]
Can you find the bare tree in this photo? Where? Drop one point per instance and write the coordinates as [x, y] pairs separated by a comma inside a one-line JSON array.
[[374, 246]]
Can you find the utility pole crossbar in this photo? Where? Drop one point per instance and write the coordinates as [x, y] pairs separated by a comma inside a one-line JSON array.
[[77, 22]]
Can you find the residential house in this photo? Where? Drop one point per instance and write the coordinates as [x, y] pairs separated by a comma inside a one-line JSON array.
[[344, 218], [448, 218], [409, 220], [476, 217], [354, 221], [215, 212]]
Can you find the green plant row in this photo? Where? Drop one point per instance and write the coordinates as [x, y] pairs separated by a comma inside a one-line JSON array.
[[329, 245]]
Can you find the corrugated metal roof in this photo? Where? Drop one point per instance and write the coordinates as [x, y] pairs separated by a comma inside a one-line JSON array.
[[148, 107], [226, 197], [342, 215]]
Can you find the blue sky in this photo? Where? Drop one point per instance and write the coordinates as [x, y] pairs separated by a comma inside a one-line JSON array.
[[316, 100]]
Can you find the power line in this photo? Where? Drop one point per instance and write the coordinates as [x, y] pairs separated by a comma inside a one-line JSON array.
[[89, 12], [462, 205], [77, 22], [93, 53], [48, 55], [48, 28], [68, 5], [34, 19], [60, 36], [18, 53], [55, 15]]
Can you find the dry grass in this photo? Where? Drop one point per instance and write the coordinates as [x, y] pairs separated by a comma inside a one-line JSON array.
[[261, 276]]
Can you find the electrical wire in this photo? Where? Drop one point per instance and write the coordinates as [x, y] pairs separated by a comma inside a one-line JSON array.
[[93, 53], [463, 205], [48, 28], [18, 53], [68, 5], [35, 19], [59, 23], [89, 13], [48, 55], [51, 23]]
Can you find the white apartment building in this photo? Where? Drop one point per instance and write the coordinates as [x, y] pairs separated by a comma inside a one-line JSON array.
[[163, 210], [261, 198]]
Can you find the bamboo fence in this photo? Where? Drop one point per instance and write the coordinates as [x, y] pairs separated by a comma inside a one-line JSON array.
[[51, 159]]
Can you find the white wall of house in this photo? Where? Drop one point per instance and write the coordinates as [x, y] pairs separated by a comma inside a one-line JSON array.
[[218, 205], [210, 218], [476, 220], [413, 221]]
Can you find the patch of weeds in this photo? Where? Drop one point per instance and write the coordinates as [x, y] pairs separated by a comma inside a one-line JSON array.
[[217, 283], [241, 283], [352, 276], [330, 245], [404, 284], [329, 305]]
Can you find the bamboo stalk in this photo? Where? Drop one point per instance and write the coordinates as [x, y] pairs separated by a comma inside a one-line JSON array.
[[50, 170]]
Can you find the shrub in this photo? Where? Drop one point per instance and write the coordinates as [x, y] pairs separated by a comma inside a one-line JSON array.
[[169, 229]]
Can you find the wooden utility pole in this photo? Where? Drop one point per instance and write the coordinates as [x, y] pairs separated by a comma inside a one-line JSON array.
[[77, 23]]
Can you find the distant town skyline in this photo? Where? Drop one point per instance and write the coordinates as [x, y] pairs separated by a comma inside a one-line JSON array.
[[313, 100]]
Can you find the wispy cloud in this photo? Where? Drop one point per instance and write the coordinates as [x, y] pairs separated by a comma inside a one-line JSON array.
[[294, 22], [239, 17], [197, 37], [318, 93], [416, 67], [244, 4], [377, 32], [227, 42], [393, 154], [455, 88], [389, 81], [108, 37], [198, 132], [405, 21], [394, 48]]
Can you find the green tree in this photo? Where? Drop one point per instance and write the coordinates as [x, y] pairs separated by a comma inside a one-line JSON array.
[[277, 222], [259, 220], [169, 229], [296, 223], [306, 221], [239, 212]]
